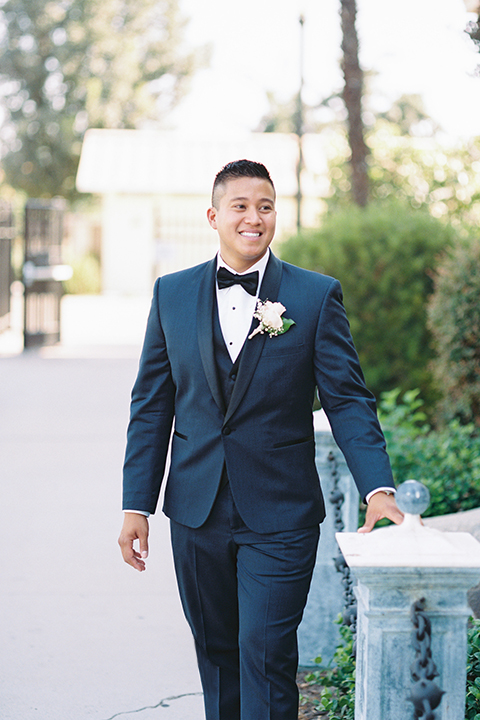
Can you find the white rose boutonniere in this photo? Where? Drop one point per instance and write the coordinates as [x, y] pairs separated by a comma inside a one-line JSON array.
[[270, 316]]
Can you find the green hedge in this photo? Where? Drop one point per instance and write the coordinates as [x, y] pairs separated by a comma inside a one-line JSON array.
[[447, 460], [454, 320], [384, 256], [472, 711]]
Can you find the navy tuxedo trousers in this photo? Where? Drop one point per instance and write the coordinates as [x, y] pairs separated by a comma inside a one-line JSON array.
[[243, 594]]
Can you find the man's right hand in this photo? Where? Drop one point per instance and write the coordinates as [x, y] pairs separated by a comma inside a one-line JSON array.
[[135, 527]]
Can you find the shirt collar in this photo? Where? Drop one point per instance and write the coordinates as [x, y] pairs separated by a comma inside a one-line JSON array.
[[260, 265]]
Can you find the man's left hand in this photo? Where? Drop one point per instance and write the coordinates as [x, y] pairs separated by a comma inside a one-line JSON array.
[[381, 505]]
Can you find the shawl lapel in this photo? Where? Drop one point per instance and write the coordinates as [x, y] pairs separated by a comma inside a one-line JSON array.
[[205, 307], [253, 348]]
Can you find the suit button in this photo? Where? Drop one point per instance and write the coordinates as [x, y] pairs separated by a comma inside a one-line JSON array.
[[226, 430]]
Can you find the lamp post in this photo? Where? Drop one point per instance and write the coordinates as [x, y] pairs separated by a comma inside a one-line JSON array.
[[299, 127]]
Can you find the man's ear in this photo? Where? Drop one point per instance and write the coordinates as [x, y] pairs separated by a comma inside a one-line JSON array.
[[212, 217]]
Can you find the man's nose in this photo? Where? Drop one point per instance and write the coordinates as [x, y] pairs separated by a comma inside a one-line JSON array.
[[252, 217]]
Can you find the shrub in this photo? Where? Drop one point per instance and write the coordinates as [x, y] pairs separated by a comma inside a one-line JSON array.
[[472, 710], [454, 320], [86, 278], [338, 681], [447, 460], [383, 255]]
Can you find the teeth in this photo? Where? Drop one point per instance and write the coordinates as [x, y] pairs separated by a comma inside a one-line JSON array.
[[250, 234]]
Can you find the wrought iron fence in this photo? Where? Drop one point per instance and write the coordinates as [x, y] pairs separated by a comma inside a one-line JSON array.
[[7, 233], [43, 271]]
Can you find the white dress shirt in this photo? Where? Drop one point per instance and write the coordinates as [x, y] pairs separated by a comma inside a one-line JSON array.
[[236, 307]]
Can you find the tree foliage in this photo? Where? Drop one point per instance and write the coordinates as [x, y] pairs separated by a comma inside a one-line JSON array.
[[445, 179], [66, 65], [454, 320], [280, 117], [407, 116], [383, 255], [408, 157]]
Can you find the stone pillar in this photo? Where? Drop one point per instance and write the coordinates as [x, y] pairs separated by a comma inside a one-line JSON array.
[[318, 634], [395, 567]]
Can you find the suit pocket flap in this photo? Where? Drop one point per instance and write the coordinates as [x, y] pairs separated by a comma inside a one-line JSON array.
[[308, 438]]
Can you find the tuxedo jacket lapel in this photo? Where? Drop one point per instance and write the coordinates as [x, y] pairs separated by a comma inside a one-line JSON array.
[[205, 308], [253, 348]]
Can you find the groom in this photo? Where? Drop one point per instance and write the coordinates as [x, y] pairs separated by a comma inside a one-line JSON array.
[[242, 493]]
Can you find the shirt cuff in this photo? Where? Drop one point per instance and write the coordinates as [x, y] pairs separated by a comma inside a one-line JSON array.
[[147, 514], [388, 490]]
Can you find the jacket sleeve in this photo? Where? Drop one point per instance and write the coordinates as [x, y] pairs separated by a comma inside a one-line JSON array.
[[348, 404], [151, 418]]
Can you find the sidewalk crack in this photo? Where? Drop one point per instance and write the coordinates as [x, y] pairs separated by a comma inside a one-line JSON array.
[[163, 703]]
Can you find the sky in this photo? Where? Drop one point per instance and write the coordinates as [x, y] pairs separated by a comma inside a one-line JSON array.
[[414, 46]]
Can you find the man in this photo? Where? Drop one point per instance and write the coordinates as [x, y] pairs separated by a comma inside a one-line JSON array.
[[242, 493]]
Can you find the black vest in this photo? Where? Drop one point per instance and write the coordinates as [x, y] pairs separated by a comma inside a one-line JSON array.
[[226, 372], [226, 369]]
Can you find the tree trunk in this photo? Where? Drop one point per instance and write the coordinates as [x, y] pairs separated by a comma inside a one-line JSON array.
[[352, 95]]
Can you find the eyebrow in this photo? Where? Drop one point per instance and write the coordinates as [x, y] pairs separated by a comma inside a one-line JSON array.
[[246, 198]]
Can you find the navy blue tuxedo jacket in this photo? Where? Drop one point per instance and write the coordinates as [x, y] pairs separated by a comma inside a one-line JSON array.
[[265, 436]]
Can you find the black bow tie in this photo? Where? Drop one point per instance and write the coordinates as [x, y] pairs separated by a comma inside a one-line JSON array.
[[249, 281]]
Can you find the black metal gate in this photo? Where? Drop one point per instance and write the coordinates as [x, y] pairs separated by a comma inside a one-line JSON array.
[[43, 271], [7, 233]]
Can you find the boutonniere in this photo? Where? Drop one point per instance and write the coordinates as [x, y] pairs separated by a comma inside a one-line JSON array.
[[271, 321]]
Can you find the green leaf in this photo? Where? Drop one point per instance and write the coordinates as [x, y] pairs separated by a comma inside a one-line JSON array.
[[287, 323]]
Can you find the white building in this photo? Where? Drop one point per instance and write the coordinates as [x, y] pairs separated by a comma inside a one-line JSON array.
[[156, 187]]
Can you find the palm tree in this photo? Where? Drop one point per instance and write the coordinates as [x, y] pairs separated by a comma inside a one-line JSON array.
[[352, 96]]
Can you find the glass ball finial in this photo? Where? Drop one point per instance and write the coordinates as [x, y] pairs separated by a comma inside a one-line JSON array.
[[412, 497]]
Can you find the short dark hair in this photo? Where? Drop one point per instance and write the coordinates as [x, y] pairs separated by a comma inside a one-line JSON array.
[[238, 169]]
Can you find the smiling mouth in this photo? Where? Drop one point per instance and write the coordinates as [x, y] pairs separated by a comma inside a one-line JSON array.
[[250, 234]]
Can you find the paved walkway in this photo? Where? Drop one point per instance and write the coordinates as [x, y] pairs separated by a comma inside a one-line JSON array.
[[82, 635]]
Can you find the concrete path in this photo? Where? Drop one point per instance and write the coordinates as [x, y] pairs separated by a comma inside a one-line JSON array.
[[82, 635]]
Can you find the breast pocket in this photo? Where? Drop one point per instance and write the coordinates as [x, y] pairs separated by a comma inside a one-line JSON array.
[[280, 345]]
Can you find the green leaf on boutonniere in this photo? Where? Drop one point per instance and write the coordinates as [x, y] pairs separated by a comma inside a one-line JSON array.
[[287, 324]]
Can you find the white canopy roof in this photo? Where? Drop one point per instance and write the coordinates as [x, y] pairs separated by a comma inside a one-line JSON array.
[[147, 161]]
